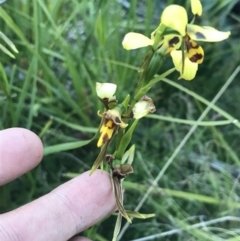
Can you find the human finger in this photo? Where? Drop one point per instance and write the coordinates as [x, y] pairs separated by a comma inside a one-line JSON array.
[[20, 151], [66, 211]]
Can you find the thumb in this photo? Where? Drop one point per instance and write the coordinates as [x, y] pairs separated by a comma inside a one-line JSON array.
[[66, 211]]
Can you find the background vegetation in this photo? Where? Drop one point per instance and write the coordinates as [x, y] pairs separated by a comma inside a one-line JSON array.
[[65, 46]]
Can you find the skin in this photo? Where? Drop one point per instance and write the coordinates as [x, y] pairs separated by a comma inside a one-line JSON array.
[[60, 214]]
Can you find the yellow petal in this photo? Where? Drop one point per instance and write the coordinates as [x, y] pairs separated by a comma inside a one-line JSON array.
[[190, 68], [196, 7], [195, 52], [175, 17], [135, 40], [206, 33], [106, 132]]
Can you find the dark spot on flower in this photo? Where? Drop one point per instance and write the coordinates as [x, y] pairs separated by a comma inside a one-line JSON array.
[[172, 42], [191, 45], [196, 57], [117, 120], [105, 138], [200, 35], [105, 121]]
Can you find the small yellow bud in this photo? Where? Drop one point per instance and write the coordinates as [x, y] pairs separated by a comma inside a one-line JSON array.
[[196, 7]]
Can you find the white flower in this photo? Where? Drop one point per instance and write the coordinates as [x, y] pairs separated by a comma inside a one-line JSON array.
[[105, 90], [143, 107]]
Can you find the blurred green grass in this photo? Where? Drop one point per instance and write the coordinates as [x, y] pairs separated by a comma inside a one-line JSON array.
[[67, 46]]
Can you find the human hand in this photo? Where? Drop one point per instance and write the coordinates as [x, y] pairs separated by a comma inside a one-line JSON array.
[[60, 214]]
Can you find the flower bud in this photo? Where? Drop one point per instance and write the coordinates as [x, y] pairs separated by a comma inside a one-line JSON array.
[[196, 7], [105, 90], [143, 107]]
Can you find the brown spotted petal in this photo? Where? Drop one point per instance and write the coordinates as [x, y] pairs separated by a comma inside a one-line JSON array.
[[106, 132], [206, 33], [115, 116], [195, 52], [169, 43], [111, 121], [190, 68]]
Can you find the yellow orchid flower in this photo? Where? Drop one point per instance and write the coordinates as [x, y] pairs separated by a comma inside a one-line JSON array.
[[175, 17], [112, 119], [193, 53]]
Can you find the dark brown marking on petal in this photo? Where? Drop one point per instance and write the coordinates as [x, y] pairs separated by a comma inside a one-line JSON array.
[[105, 138], [196, 57], [190, 44], [117, 121], [105, 121], [194, 45], [200, 35], [172, 42]]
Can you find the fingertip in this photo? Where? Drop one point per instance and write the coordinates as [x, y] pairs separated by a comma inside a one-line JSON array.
[[20, 151]]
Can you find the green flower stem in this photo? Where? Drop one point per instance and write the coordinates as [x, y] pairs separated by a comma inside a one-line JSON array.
[[98, 162], [152, 68], [125, 102], [120, 134], [158, 35], [154, 81], [143, 68], [125, 141], [151, 63], [146, 88]]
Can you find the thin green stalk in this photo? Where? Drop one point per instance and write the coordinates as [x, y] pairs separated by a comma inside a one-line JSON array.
[[189, 122]]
